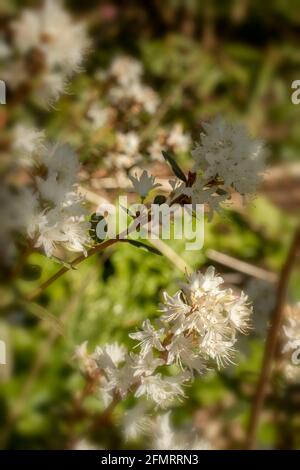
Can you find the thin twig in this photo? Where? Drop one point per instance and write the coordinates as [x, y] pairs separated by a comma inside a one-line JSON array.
[[44, 314], [241, 266], [37, 292], [91, 252], [272, 340]]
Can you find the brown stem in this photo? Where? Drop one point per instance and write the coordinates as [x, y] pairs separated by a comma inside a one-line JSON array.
[[96, 249], [92, 251], [272, 339]]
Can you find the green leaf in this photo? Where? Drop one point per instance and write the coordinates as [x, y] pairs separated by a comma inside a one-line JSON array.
[[142, 245], [175, 167]]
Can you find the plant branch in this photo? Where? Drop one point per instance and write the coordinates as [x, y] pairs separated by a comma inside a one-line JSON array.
[[272, 340], [241, 266], [92, 251]]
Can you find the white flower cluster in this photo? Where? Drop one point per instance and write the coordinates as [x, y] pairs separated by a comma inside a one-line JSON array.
[[229, 156], [27, 141], [174, 139], [125, 105], [226, 159], [291, 339], [128, 87], [50, 211], [204, 320], [158, 431], [165, 437], [128, 147], [126, 150], [48, 43], [198, 327]]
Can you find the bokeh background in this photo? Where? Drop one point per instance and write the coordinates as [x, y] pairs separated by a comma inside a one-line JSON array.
[[202, 58]]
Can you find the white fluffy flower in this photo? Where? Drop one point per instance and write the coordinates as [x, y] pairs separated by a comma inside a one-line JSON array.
[[215, 346], [98, 116], [155, 150], [51, 31], [200, 193], [121, 379], [165, 437], [238, 315], [51, 190], [87, 363], [117, 352], [125, 70], [62, 162], [128, 143], [200, 325], [148, 338], [291, 329], [50, 233], [205, 322], [135, 422], [110, 356], [20, 213], [58, 227], [75, 229], [64, 224], [226, 159], [227, 154], [291, 373], [163, 434], [135, 94], [144, 96], [119, 160], [198, 283], [177, 140], [144, 183], [146, 364], [161, 390], [51, 86], [59, 43], [84, 444], [50, 211], [27, 141], [181, 350], [174, 308], [291, 345], [126, 150], [128, 89]]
